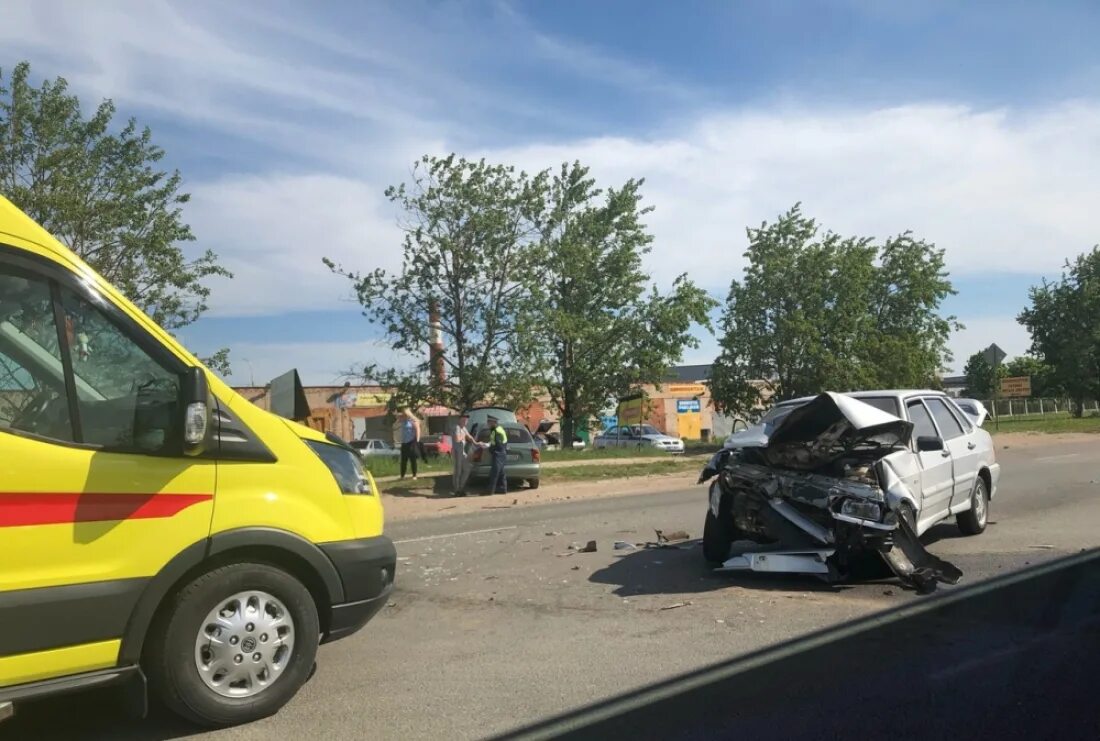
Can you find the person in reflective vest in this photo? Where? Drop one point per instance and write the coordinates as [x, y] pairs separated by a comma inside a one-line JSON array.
[[498, 450]]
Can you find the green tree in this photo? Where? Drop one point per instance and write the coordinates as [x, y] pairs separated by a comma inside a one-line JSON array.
[[980, 378], [102, 193], [598, 331], [467, 248], [817, 311], [1064, 322]]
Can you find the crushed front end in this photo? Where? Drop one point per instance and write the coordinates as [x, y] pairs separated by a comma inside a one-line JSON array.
[[818, 497]]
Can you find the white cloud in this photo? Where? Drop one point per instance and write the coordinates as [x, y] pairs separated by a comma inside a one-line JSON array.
[[272, 231], [996, 189], [1010, 192], [1005, 189]]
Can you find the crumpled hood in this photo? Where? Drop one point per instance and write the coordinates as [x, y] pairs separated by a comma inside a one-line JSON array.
[[818, 432]]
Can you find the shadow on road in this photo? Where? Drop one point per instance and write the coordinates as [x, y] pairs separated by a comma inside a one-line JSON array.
[[93, 715], [943, 531], [683, 571], [427, 487], [1000, 659]]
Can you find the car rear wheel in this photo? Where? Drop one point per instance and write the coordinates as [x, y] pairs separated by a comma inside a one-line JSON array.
[[973, 521], [533, 483], [234, 645]]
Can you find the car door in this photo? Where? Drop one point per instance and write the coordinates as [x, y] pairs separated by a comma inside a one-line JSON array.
[[936, 477], [95, 494], [964, 453]]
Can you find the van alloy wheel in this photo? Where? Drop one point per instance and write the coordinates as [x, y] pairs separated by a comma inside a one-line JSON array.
[[244, 644]]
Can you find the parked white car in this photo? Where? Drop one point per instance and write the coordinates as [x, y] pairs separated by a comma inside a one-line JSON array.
[[823, 478], [638, 436], [974, 408], [375, 448]]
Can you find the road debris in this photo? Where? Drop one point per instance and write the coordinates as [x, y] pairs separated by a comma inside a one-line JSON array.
[[674, 605], [1042, 547], [622, 545], [443, 508], [673, 537], [552, 533], [575, 568], [589, 547], [497, 506]]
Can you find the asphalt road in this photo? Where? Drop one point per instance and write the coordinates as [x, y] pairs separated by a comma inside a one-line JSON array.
[[493, 625]]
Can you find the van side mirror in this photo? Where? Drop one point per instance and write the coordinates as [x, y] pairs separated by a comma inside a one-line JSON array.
[[196, 412], [929, 443]]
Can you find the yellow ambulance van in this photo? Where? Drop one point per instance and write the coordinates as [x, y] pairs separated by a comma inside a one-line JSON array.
[[156, 527]]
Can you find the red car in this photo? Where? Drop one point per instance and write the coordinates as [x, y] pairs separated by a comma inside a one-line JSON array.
[[435, 445]]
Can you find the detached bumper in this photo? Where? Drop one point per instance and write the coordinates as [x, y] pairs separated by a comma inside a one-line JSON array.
[[366, 569]]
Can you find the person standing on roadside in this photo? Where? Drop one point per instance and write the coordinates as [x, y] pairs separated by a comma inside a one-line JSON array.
[[458, 455], [410, 441], [498, 449]]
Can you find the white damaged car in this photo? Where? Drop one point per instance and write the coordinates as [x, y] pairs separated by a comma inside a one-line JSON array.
[[824, 479]]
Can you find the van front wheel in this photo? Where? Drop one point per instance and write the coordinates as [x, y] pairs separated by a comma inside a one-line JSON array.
[[234, 645]]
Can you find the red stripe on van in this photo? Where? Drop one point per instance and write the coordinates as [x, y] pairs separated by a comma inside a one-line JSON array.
[[20, 509]]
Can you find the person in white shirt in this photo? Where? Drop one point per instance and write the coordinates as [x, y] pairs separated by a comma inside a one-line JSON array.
[[461, 463]]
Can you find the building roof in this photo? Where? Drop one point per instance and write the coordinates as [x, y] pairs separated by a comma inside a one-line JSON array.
[[688, 373]]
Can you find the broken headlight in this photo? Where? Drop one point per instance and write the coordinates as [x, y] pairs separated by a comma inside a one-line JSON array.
[[861, 509]]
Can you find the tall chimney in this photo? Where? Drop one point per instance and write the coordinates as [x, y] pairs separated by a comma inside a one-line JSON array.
[[435, 344]]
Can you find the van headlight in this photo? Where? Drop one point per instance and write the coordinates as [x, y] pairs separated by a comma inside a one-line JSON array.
[[344, 465], [861, 509]]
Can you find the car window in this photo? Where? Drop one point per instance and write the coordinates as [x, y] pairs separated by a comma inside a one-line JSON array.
[[515, 435], [960, 415], [32, 379], [777, 413], [945, 420], [647, 430], [921, 419], [128, 401], [886, 404]]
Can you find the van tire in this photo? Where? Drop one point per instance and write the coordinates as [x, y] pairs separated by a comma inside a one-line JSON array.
[[170, 662], [971, 522]]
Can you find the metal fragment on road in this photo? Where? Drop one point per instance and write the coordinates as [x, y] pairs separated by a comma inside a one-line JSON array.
[[1042, 547], [622, 545], [674, 605]]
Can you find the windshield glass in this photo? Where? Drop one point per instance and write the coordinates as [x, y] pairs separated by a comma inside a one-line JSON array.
[[645, 430]]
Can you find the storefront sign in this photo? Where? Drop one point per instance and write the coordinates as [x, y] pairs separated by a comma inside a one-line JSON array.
[[686, 389], [368, 399], [435, 412], [687, 405]]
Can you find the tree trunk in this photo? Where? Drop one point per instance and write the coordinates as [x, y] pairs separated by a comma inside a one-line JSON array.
[[1079, 406]]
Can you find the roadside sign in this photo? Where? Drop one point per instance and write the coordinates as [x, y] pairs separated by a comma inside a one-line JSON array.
[[1016, 387], [687, 405], [993, 355]]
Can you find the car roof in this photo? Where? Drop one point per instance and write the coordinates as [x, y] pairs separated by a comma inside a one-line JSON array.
[[896, 393]]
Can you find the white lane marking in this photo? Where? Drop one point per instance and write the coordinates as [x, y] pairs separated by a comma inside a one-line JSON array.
[[1057, 457], [455, 535]]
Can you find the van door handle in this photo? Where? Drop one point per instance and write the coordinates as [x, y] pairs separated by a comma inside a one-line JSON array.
[[970, 446]]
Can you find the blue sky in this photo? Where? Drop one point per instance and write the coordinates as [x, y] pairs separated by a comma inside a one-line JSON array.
[[975, 125]]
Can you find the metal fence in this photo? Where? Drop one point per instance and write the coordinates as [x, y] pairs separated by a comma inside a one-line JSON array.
[[1036, 407]]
